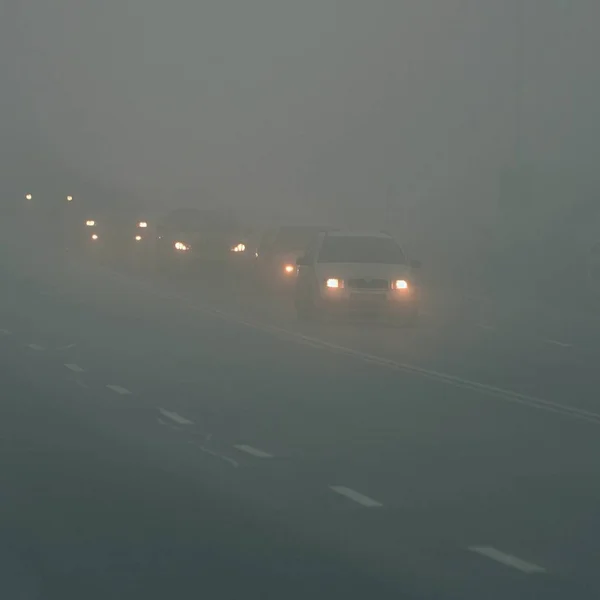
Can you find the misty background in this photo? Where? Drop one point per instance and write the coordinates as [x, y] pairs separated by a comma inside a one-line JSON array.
[[404, 112]]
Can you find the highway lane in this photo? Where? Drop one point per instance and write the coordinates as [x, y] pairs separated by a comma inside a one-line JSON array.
[[514, 353], [308, 427], [98, 501], [554, 361]]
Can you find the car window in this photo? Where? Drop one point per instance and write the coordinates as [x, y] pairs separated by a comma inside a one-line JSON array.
[[291, 239], [192, 221], [361, 249]]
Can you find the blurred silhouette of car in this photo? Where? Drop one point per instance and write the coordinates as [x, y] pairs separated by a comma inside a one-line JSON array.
[[355, 273], [189, 237]]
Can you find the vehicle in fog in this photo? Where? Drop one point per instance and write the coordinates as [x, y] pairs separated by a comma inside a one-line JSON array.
[[190, 237], [119, 235], [278, 251], [354, 273]]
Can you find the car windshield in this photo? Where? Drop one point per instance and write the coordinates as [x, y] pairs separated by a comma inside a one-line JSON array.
[[193, 221], [361, 249], [294, 238]]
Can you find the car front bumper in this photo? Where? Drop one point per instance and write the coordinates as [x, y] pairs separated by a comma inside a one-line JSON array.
[[391, 302]]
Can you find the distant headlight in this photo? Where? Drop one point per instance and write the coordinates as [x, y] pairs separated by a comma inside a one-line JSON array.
[[239, 248], [334, 283], [69, 198], [143, 224], [94, 236], [28, 196], [289, 269], [138, 238], [400, 284], [181, 246], [90, 223]]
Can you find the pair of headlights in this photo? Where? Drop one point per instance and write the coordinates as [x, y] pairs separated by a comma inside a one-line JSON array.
[[398, 284], [138, 238], [92, 223], [182, 247]]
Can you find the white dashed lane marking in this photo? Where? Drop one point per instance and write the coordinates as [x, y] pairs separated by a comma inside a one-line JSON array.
[[507, 559], [355, 496], [73, 367], [118, 389], [35, 347], [206, 450], [557, 343], [67, 347], [254, 451], [175, 417]]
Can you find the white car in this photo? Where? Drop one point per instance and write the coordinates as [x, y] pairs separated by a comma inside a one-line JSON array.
[[347, 272]]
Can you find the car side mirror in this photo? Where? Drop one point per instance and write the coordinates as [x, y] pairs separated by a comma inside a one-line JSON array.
[[302, 261], [416, 264]]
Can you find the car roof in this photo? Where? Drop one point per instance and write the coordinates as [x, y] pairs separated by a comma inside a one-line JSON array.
[[317, 228], [347, 233]]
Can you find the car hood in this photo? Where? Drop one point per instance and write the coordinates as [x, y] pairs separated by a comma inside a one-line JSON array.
[[288, 257], [194, 238], [362, 271]]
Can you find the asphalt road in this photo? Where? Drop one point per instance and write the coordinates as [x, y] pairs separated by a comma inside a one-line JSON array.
[[166, 437]]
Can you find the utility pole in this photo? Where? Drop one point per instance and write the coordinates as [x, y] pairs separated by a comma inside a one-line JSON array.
[[389, 201], [519, 92]]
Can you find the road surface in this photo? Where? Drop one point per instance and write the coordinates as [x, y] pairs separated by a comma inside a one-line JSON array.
[[166, 438]]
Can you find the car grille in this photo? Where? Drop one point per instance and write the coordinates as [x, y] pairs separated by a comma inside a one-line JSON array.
[[368, 284]]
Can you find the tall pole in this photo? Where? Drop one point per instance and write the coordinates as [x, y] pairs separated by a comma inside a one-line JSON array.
[[519, 55]]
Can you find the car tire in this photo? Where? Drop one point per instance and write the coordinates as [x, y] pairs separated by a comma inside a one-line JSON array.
[[409, 319], [306, 310]]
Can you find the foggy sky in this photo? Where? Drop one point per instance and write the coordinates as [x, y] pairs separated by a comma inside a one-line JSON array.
[[322, 104]]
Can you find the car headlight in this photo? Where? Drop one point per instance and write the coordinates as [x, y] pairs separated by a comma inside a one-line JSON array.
[[95, 236], [138, 238], [400, 284], [90, 223], [69, 198], [289, 269], [143, 224], [181, 246], [239, 248], [28, 196], [334, 283]]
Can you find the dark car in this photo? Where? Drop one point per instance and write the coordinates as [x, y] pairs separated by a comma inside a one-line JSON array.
[[118, 236], [278, 251], [189, 237]]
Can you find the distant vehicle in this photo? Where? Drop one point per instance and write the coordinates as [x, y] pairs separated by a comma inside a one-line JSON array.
[[278, 250], [354, 273], [189, 237], [120, 235]]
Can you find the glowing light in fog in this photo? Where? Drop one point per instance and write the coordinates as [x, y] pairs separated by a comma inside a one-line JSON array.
[[69, 198], [181, 246], [142, 224], [289, 269], [239, 248], [138, 238], [401, 284], [94, 236], [28, 197], [90, 223], [333, 283]]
